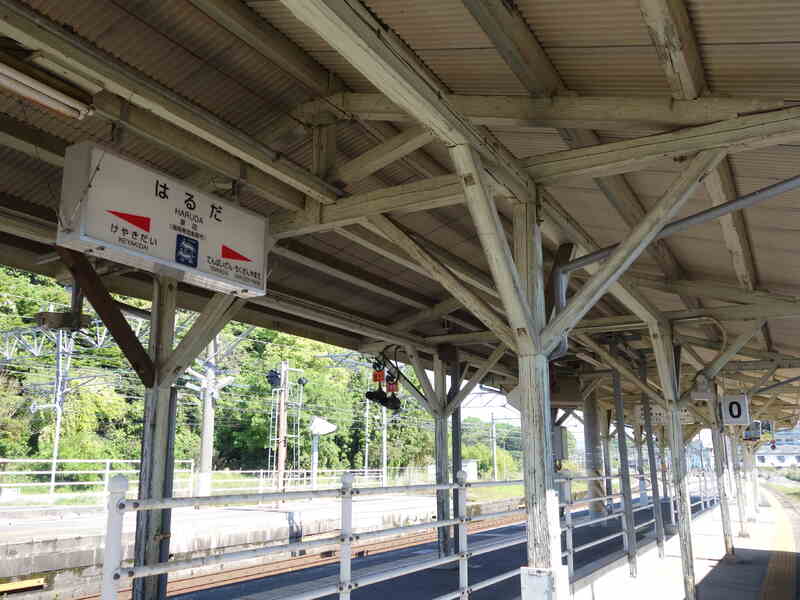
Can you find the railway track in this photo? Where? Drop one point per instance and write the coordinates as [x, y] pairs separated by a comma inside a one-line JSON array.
[[197, 583]]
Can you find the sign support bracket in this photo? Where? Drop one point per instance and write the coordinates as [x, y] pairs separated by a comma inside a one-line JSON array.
[[95, 291]]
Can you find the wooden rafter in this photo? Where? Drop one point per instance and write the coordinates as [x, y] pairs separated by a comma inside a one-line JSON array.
[[565, 111], [510, 34], [673, 37]]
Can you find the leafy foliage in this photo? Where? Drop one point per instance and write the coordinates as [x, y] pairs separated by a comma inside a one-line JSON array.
[[104, 406]]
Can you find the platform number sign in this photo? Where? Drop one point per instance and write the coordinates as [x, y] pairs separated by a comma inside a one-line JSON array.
[[126, 212], [736, 409]]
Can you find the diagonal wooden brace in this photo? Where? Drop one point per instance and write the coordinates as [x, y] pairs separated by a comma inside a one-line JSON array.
[[95, 291], [216, 314]]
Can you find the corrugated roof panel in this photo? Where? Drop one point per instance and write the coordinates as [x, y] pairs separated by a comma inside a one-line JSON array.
[[611, 71], [753, 69], [425, 25], [585, 23], [744, 21], [155, 42], [530, 143], [778, 162], [352, 77], [29, 179], [473, 71], [282, 19]]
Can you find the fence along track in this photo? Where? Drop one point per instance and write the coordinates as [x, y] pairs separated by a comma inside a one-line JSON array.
[[230, 576]]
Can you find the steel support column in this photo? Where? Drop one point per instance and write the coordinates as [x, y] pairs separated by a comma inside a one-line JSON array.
[[737, 478], [442, 496], [455, 425], [152, 526], [544, 528], [658, 513], [639, 443], [668, 374], [441, 454], [629, 525], [593, 454], [605, 425], [720, 466], [748, 464]]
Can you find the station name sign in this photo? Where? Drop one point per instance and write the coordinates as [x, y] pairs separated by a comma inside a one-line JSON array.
[[127, 213]]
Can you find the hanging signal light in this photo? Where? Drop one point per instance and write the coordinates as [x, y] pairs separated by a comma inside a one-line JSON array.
[[391, 384], [274, 378], [378, 372]]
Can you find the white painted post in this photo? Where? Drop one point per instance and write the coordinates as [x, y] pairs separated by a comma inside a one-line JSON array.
[[112, 552], [593, 466], [493, 435], [384, 449], [737, 477], [314, 460], [463, 561], [720, 465], [643, 496], [569, 532], [756, 489], [651, 457], [628, 523], [665, 475], [107, 476], [346, 537], [747, 464]]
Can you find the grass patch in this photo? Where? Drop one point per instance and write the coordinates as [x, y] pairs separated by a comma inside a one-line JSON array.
[[790, 492], [488, 494]]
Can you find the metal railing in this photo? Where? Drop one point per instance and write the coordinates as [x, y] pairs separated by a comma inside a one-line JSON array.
[[74, 478], [85, 481], [115, 573]]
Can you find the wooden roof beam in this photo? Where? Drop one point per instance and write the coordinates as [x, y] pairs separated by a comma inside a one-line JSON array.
[[425, 194], [630, 249], [351, 31], [673, 38], [510, 34], [712, 289], [734, 135], [565, 111], [258, 33], [382, 155]]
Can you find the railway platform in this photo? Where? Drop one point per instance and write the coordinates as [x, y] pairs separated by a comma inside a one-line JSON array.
[[764, 566]]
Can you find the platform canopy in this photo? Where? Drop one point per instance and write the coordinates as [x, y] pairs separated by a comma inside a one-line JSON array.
[[342, 122]]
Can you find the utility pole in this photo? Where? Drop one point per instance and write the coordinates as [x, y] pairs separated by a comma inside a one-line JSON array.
[[494, 449], [208, 395], [384, 450], [59, 390], [366, 436], [64, 346], [283, 423], [209, 387]]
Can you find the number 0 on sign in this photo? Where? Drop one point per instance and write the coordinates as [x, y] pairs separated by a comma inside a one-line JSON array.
[[736, 410]]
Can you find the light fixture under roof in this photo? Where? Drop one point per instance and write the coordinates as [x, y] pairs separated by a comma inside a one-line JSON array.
[[34, 90]]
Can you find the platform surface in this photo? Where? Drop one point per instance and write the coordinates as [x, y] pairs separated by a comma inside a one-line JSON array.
[[765, 566]]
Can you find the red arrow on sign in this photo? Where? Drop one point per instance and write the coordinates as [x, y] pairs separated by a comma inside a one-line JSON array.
[[139, 221], [232, 254]]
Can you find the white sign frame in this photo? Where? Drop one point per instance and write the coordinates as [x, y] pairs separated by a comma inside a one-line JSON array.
[[658, 416], [735, 409], [128, 213]]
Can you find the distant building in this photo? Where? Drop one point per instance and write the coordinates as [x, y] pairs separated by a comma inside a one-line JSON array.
[[784, 456], [790, 437]]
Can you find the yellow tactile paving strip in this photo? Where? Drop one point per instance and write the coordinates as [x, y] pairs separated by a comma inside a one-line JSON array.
[[780, 580]]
